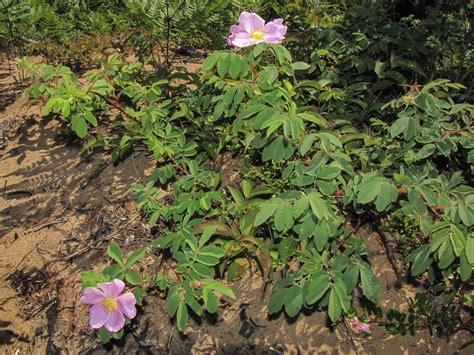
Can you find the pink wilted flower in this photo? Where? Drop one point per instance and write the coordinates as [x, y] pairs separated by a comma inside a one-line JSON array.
[[252, 30], [108, 306], [359, 326]]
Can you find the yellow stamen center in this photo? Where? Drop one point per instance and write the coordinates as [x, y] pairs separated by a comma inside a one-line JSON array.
[[409, 98], [110, 304], [258, 35]]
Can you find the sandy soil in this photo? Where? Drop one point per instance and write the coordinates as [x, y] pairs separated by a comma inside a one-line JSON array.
[[59, 210]]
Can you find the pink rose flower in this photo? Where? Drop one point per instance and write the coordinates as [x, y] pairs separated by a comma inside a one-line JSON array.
[[108, 306], [359, 326], [252, 30]]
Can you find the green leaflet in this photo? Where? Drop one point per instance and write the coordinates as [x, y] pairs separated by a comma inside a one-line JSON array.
[[317, 288], [338, 299], [369, 188]]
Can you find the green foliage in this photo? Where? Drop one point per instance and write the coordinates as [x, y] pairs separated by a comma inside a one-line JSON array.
[[354, 128], [438, 313], [66, 32], [191, 23]]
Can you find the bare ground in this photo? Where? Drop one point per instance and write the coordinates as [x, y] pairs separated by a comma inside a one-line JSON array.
[[58, 212]]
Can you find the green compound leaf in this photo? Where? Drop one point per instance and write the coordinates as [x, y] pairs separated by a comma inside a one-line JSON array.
[[223, 64], [283, 218], [470, 249], [210, 300], [264, 213], [421, 260], [219, 287], [317, 289], [133, 277], [115, 252], [329, 172], [369, 188], [235, 66], [370, 284], [79, 125], [293, 301], [210, 61], [172, 304], [338, 299], [91, 278], [277, 299], [134, 257], [193, 304], [182, 316]]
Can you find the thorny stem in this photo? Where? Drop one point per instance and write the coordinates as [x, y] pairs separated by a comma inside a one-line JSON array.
[[117, 106], [390, 256], [184, 170], [457, 131]]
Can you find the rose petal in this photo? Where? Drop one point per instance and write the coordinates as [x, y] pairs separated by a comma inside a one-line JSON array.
[[113, 288], [243, 39], [250, 21], [273, 40], [92, 295], [98, 316], [126, 304], [115, 321], [275, 32], [359, 326], [276, 27], [236, 29], [275, 22], [365, 327]]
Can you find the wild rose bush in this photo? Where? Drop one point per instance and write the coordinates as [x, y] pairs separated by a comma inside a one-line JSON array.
[[311, 171]]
